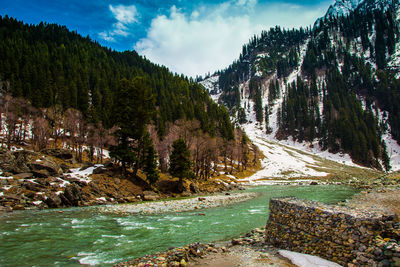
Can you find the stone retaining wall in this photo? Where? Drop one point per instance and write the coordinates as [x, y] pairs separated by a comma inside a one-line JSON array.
[[347, 236]]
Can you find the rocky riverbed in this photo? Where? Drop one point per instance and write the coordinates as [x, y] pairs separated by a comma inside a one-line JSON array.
[[247, 250], [180, 205]]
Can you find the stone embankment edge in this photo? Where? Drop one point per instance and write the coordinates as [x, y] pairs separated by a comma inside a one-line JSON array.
[[347, 236]]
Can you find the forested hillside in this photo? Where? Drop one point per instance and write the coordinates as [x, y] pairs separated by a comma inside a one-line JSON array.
[[66, 90], [335, 85], [49, 65]]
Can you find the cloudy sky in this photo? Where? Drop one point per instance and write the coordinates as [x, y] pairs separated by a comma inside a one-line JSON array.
[[189, 37]]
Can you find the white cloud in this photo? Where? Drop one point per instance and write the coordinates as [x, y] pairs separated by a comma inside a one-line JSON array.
[[247, 3], [125, 15], [211, 37], [106, 36]]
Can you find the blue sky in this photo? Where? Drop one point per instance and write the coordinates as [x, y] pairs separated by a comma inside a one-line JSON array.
[[190, 37]]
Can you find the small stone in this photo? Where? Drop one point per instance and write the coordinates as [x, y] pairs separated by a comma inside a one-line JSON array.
[[183, 263], [264, 256], [18, 207], [385, 263], [236, 242], [362, 258], [362, 248], [378, 252]]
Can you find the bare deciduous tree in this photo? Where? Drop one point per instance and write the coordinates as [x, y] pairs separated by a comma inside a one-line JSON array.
[[54, 115], [41, 132]]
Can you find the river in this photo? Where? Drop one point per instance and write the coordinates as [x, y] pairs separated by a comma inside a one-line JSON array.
[[88, 236]]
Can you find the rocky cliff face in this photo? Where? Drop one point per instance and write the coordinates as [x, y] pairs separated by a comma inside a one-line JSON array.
[[53, 179], [50, 179]]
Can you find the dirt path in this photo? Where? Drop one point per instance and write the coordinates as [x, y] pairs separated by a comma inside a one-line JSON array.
[[385, 199], [243, 256]]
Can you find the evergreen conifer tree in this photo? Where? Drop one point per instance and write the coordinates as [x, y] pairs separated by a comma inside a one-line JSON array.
[[150, 164], [134, 105], [180, 163]]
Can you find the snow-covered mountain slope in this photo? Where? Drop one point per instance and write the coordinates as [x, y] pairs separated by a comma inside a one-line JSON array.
[[212, 86], [394, 60], [342, 7], [285, 159], [357, 48]]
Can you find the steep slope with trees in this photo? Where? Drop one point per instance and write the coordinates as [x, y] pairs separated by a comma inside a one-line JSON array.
[[60, 90], [334, 86], [49, 65]]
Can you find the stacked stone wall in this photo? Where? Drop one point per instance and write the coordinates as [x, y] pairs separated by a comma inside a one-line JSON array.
[[347, 236]]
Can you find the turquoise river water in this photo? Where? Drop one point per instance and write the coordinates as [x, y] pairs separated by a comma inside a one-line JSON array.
[[88, 236]]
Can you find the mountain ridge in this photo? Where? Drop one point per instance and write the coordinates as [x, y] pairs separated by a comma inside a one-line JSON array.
[[357, 49]]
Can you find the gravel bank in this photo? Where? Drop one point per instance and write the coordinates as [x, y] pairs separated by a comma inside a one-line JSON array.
[[181, 205], [247, 250], [381, 199]]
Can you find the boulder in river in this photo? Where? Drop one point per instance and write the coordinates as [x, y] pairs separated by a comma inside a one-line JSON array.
[[73, 193], [194, 188], [150, 196], [53, 201], [170, 186], [19, 207]]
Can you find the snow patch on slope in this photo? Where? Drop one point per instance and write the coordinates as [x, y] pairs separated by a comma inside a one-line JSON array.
[[284, 159], [394, 60], [280, 161], [211, 84], [83, 175], [392, 147], [304, 260]]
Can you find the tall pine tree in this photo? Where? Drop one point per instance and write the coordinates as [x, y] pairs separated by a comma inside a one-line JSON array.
[[180, 163]]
